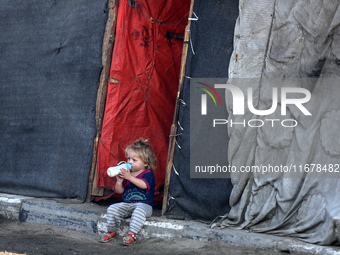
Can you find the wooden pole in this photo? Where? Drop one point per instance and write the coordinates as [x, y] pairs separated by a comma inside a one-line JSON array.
[[107, 48], [172, 140]]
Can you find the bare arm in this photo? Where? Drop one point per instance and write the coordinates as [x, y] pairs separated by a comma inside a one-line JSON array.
[[119, 185]]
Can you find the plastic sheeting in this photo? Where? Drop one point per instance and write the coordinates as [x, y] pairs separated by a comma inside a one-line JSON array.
[[50, 67], [210, 48], [143, 82], [296, 42]]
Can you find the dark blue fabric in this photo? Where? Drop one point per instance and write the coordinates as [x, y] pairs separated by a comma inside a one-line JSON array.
[[50, 67], [134, 194], [209, 53]]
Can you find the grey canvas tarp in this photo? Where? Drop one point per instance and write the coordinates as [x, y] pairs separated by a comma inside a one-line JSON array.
[[299, 42], [49, 72]]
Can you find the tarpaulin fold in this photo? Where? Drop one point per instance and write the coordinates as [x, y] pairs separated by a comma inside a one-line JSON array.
[[296, 45]]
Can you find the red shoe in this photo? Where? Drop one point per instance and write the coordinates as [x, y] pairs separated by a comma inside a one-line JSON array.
[[129, 239], [109, 236]]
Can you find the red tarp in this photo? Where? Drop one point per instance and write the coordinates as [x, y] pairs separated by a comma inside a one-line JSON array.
[[143, 83]]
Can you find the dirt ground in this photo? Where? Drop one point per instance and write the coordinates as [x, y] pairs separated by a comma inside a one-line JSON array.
[[26, 238]]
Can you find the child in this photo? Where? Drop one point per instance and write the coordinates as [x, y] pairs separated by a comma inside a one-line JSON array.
[[138, 187]]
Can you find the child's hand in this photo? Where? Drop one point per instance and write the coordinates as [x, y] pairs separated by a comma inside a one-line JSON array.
[[119, 177], [125, 174]]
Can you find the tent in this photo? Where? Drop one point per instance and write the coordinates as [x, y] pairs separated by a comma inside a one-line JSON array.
[[142, 83], [52, 67]]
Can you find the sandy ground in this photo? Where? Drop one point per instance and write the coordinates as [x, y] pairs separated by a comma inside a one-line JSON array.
[[26, 238]]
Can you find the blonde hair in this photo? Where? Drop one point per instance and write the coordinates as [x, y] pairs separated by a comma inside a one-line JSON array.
[[145, 152]]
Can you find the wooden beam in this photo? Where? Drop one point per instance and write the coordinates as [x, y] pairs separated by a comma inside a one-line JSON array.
[[107, 48], [172, 140]]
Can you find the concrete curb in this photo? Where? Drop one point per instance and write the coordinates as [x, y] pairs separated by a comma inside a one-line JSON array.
[[91, 218]]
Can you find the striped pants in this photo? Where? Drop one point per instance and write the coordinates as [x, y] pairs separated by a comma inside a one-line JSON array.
[[138, 212]]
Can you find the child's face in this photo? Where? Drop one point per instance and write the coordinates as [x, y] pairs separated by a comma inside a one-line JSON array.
[[137, 164]]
